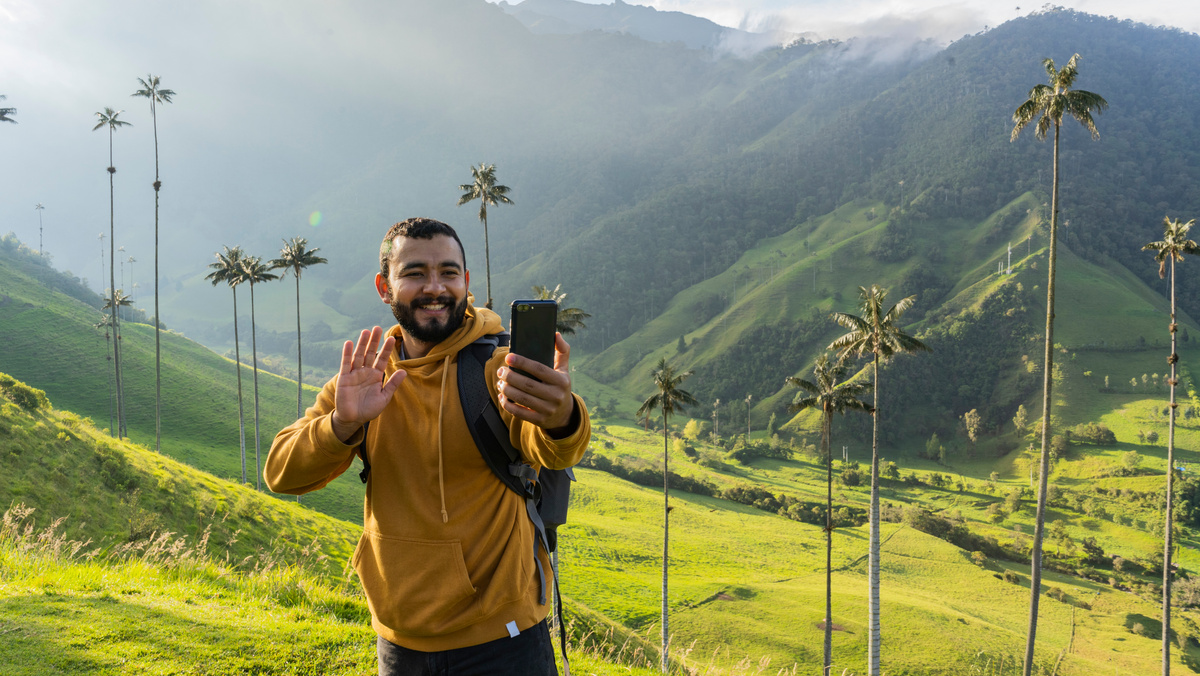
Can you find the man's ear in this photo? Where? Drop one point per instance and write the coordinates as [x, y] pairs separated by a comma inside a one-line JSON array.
[[381, 287]]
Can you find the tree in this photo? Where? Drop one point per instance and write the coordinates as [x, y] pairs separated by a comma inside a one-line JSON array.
[[115, 302], [748, 398], [483, 188], [569, 319], [253, 271], [878, 333], [1021, 418], [669, 399], [106, 323], [7, 113], [1170, 250], [827, 393], [972, 421], [41, 247], [110, 118], [228, 270], [296, 256], [1047, 104], [151, 90]]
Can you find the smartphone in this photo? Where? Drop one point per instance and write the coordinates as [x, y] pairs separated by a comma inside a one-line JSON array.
[[533, 326]]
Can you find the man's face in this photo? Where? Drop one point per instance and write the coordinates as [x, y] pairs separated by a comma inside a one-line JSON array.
[[426, 287]]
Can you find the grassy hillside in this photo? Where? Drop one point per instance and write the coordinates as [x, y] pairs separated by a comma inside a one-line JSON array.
[[51, 342]]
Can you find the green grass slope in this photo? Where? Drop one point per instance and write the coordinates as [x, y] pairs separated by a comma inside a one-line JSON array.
[[51, 343]]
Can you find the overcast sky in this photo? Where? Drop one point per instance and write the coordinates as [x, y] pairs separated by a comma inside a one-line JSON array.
[[937, 19]]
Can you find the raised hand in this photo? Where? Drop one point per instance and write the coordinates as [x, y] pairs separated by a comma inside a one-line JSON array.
[[361, 392], [547, 404]]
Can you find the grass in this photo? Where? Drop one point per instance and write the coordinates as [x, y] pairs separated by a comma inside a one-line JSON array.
[[200, 402]]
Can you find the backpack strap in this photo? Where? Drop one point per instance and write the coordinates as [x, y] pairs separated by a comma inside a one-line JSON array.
[[362, 453], [491, 437]]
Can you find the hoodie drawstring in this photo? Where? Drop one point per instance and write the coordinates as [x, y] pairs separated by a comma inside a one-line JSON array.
[[441, 406]]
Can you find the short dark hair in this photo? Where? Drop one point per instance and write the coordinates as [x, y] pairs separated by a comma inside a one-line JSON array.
[[416, 228]]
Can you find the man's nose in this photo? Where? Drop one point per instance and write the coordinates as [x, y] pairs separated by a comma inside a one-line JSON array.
[[435, 284]]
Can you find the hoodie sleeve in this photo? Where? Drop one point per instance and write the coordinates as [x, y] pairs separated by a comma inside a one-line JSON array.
[[307, 455], [536, 446]]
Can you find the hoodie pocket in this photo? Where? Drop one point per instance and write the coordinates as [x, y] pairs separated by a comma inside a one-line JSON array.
[[416, 587]]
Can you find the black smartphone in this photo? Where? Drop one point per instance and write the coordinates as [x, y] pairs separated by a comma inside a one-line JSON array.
[[533, 327]]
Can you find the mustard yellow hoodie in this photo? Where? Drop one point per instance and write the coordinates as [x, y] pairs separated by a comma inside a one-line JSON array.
[[446, 554]]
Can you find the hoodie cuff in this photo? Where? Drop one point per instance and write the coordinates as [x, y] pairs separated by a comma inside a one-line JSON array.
[[579, 422], [328, 442]]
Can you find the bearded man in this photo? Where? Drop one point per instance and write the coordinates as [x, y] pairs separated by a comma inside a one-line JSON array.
[[447, 558]]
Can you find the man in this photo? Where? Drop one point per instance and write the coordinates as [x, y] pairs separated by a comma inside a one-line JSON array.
[[447, 553]]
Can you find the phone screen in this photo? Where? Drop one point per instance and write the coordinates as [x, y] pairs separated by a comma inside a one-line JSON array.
[[533, 327]]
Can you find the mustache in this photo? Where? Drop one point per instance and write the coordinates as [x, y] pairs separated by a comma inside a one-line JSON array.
[[422, 301]]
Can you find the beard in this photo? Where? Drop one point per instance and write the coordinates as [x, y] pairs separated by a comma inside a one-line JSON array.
[[434, 331]]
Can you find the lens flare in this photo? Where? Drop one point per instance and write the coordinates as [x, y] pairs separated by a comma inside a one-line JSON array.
[[314, 219]]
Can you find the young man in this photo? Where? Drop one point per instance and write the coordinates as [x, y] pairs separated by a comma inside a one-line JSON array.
[[447, 553]]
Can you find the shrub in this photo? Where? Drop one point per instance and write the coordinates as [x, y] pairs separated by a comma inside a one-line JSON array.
[[21, 394], [1094, 434], [851, 476], [1011, 577], [1057, 594]]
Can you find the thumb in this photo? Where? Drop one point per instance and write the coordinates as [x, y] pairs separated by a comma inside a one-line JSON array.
[[393, 382], [562, 353]]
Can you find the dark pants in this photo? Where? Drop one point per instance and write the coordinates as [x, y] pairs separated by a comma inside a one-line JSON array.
[[529, 653]]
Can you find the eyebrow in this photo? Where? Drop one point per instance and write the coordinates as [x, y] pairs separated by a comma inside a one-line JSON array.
[[421, 265]]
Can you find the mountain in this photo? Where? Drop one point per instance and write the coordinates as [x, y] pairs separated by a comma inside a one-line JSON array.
[[568, 16]]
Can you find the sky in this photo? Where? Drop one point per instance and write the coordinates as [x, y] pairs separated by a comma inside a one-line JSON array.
[[937, 19]]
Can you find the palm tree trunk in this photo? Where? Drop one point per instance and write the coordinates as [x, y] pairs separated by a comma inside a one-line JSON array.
[[237, 354], [1168, 526], [828, 543], [111, 395], [873, 567], [157, 319], [1035, 560], [666, 540], [299, 357], [112, 283], [487, 257], [254, 352]]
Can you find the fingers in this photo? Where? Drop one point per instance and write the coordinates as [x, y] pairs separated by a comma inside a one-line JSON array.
[[366, 350], [347, 358], [547, 404], [385, 351]]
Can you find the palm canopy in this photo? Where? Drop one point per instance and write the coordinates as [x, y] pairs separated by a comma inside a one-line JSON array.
[[109, 117], [875, 332], [669, 398], [1174, 244], [254, 270], [296, 255], [120, 298], [826, 392], [227, 269], [152, 90], [483, 188], [7, 113], [1049, 103], [569, 319]]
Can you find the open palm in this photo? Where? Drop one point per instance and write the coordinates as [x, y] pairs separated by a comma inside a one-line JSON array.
[[361, 392]]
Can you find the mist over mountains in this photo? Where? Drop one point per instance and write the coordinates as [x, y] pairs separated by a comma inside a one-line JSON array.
[[639, 168]]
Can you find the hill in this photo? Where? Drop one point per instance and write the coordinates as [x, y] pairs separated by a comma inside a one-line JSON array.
[[52, 342]]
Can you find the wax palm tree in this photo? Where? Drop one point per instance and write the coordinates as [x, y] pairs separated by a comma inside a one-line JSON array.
[[878, 333], [827, 393], [106, 323], [110, 118], [228, 270], [1174, 245], [1047, 104], [7, 113], [669, 399], [296, 256], [115, 302], [254, 270], [483, 188], [151, 90], [570, 319]]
